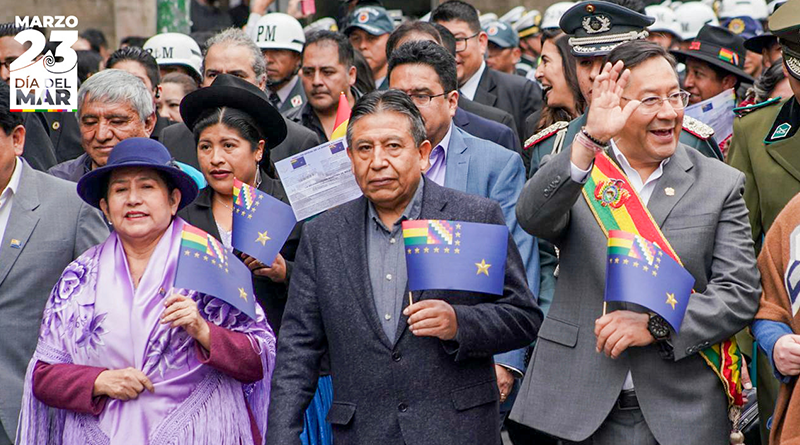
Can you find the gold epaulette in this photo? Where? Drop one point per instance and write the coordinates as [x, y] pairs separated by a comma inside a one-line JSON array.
[[546, 133], [697, 128]]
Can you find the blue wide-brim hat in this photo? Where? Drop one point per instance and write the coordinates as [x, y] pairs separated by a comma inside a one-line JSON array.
[[136, 152]]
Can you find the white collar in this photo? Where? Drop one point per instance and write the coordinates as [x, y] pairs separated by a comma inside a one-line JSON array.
[[284, 92], [470, 87], [379, 82], [13, 183], [626, 166]]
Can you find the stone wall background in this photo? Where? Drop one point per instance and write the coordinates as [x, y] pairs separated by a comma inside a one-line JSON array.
[[121, 18]]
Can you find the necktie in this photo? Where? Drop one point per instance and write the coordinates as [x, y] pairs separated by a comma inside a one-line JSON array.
[[275, 100]]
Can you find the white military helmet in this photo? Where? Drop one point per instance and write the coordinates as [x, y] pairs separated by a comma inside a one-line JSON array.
[[513, 15], [756, 9], [323, 24], [552, 15], [665, 19], [487, 18], [278, 31], [773, 5], [692, 16], [173, 48]]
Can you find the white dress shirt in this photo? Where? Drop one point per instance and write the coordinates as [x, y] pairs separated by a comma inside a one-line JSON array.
[[471, 86], [438, 157], [645, 190], [7, 198]]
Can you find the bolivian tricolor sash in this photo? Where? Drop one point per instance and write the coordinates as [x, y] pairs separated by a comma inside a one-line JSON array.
[[616, 206]]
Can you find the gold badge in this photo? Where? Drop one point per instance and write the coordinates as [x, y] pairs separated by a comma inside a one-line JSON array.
[[669, 191], [590, 8], [56, 125]]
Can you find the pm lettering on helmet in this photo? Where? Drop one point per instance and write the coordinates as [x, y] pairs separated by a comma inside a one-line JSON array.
[[165, 52], [266, 33]]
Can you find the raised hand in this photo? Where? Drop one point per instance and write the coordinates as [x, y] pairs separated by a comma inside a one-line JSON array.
[[607, 116]]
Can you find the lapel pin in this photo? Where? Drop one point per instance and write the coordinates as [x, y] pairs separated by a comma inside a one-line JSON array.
[[669, 191], [15, 243]]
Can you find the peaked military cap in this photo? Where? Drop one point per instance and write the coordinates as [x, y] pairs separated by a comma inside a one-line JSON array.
[[785, 24], [597, 27]]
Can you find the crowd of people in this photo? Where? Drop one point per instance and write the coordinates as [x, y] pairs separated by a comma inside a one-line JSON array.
[[563, 125]]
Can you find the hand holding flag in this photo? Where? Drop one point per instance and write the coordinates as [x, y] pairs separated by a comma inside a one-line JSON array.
[[261, 223], [205, 266]]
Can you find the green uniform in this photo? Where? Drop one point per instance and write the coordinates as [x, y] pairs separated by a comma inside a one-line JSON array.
[[764, 148]]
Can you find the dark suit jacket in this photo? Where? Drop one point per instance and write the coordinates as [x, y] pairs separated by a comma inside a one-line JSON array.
[[419, 390], [517, 95], [38, 149], [487, 112], [486, 129], [65, 135], [271, 295], [179, 140]]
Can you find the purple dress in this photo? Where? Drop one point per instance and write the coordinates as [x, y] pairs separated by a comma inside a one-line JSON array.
[[95, 318]]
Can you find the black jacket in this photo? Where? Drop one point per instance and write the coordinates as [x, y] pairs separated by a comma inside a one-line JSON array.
[[271, 295], [514, 94]]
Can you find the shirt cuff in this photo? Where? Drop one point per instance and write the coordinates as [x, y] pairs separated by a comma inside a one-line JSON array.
[[514, 371], [578, 175], [767, 332]]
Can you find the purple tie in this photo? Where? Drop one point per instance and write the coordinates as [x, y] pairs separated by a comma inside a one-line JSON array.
[[437, 170]]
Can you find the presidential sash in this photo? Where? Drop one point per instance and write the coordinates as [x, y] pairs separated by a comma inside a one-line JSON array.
[[616, 206]]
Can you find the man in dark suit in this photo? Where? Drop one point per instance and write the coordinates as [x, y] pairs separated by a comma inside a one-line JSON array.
[[233, 52], [402, 374], [476, 81], [43, 227]]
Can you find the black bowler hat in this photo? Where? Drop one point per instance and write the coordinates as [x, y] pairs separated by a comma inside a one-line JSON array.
[[719, 47], [136, 152], [233, 92], [597, 27]]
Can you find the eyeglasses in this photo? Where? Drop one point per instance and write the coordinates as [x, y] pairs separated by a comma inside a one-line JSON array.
[[422, 100], [7, 63], [652, 104], [461, 42]]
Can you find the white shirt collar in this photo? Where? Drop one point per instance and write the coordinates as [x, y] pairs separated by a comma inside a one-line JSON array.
[[13, 183], [471, 86], [379, 82], [286, 90], [633, 175]]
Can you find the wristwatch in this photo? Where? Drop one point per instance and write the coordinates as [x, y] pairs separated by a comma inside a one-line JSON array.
[[658, 327]]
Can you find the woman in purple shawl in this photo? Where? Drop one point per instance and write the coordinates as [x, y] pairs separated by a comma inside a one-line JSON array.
[[125, 358]]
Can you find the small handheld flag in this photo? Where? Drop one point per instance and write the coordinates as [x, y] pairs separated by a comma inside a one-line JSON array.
[[342, 118], [639, 272], [261, 223], [455, 255], [205, 266]]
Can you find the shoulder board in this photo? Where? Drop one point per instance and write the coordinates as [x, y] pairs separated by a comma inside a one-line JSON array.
[[546, 133], [697, 128], [742, 111]]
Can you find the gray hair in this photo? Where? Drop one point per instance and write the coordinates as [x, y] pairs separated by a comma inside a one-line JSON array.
[[388, 100], [117, 86], [237, 37]]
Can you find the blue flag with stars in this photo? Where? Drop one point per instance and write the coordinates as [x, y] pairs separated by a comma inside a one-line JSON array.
[[261, 223], [639, 272], [455, 255], [205, 266]]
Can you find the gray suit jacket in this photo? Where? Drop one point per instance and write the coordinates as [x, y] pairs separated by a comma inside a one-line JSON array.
[[52, 226], [417, 390], [569, 388]]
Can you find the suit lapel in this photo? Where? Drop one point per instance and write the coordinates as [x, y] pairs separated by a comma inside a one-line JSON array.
[[21, 221], [785, 153], [485, 92], [432, 208], [353, 248], [457, 162], [676, 178]]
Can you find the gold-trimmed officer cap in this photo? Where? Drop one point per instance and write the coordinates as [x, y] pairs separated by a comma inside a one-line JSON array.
[[785, 24], [597, 27]]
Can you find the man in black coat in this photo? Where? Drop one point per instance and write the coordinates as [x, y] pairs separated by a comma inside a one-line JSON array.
[[402, 374], [478, 82], [233, 52]]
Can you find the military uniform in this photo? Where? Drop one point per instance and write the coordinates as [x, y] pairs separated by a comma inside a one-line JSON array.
[[559, 135]]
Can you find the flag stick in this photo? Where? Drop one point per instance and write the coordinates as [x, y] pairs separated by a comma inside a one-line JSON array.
[[410, 301], [604, 308]]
